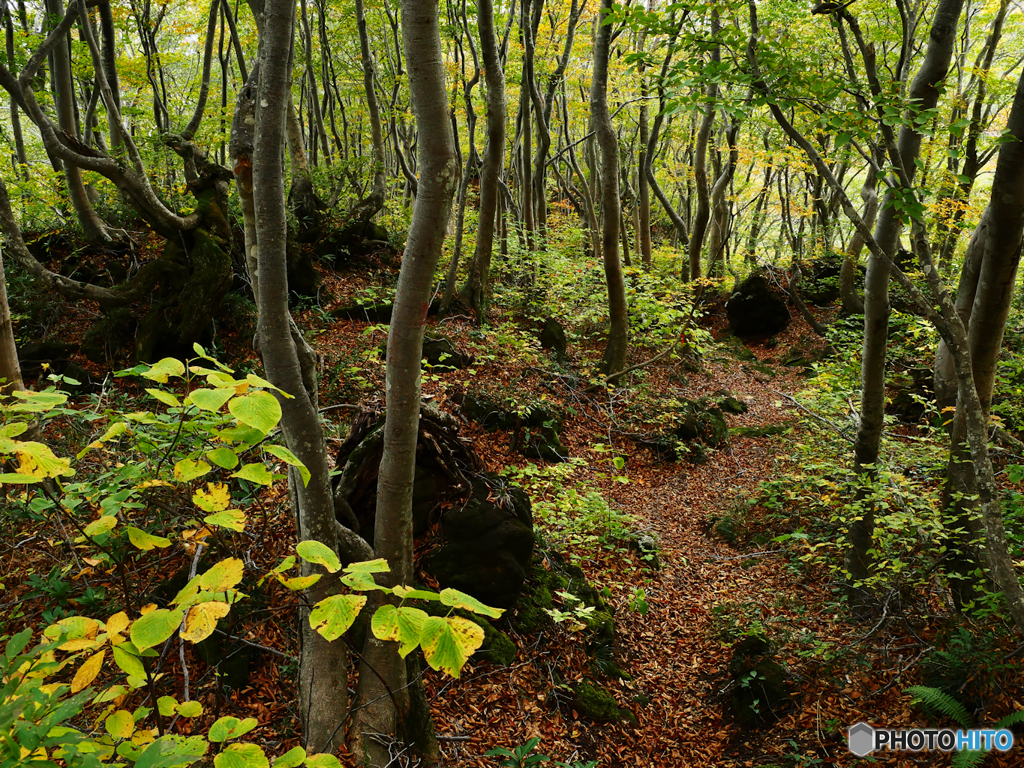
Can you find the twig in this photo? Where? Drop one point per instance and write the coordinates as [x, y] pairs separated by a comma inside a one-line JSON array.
[[828, 422]]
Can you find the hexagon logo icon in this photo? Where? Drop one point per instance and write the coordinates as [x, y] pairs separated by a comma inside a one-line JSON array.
[[861, 739]]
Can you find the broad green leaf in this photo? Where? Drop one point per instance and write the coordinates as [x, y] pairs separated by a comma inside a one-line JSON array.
[[380, 565], [167, 705], [240, 433], [120, 724], [210, 399], [231, 728], [255, 473], [223, 575], [402, 625], [145, 541], [457, 599], [190, 590], [260, 410], [288, 458], [259, 381], [172, 751], [201, 620], [113, 431], [167, 367], [189, 469], [291, 758], [361, 581], [13, 429], [101, 525], [88, 671], [232, 519], [128, 663], [319, 553], [223, 457], [332, 616], [37, 402], [215, 498], [12, 478], [323, 760], [109, 694], [448, 642], [241, 756], [190, 709], [155, 627], [164, 397]]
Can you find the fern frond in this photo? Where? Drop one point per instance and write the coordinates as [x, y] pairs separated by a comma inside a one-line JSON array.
[[940, 702], [1012, 719], [969, 758]]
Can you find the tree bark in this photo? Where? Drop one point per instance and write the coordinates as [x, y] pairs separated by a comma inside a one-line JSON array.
[[699, 226], [384, 696]]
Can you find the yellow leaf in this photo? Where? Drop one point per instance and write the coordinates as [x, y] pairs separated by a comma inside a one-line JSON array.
[[118, 623], [82, 644], [121, 724], [223, 575], [201, 620], [148, 608], [88, 671], [215, 498]]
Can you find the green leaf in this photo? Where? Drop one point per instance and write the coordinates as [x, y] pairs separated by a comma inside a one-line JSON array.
[[448, 642], [120, 724], [258, 381], [172, 751], [145, 541], [164, 397], [319, 553], [100, 526], [167, 705], [129, 664], [380, 565], [332, 616], [232, 519], [408, 593], [190, 709], [291, 758], [457, 599], [323, 760], [37, 402], [255, 473], [16, 477], [288, 458], [155, 627], [189, 469], [161, 370], [231, 728], [402, 625], [241, 756], [210, 399], [260, 410], [223, 457]]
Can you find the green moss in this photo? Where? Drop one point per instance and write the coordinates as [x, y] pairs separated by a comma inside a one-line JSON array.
[[598, 704]]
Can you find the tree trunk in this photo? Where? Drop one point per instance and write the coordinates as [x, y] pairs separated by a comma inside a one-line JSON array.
[[475, 290], [383, 695], [10, 369], [323, 678], [852, 303], [618, 333], [699, 226]]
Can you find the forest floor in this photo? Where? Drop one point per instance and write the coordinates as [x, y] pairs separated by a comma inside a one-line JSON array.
[[706, 595]]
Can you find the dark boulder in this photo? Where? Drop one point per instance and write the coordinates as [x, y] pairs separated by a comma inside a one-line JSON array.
[[487, 546], [370, 313], [553, 336], [441, 354], [535, 429], [757, 308], [820, 283], [303, 280]]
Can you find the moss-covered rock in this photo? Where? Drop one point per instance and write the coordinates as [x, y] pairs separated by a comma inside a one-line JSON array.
[[592, 701]]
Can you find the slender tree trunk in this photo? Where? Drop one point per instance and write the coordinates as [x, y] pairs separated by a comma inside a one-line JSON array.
[[381, 691], [323, 682], [698, 228], [10, 369], [475, 290], [618, 333], [19, 141], [852, 303], [373, 202]]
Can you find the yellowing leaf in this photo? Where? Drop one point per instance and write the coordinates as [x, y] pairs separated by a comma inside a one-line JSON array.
[[117, 623], [167, 705], [190, 709], [291, 758], [201, 620], [231, 728], [402, 625], [87, 672], [299, 582], [166, 367], [241, 756], [260, 410], [120, 724], [457, 599], [146, 541], [38, 460], [224, 575], [232, 519], [189, 469], [323, 760], [100, 526], [288, 458], [164, 397], [332, 616], [223, 457], [215, 498], [210, 399], [255, 473], [318, 553], [448, 642]]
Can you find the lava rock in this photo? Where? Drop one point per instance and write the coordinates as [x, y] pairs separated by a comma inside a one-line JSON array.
[[757, 308]]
